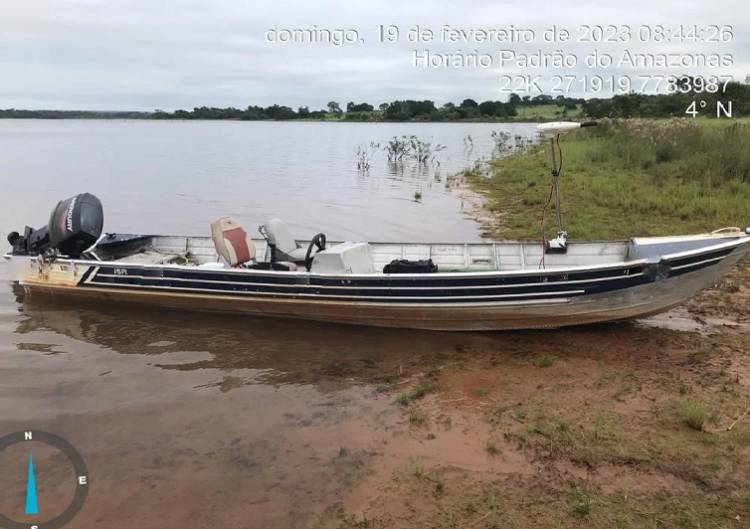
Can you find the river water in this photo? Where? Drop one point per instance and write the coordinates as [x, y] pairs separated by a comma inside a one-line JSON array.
[[194, 420], [176, 176]]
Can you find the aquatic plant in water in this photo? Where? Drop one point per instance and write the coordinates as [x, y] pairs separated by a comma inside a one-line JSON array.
[[365, 154]]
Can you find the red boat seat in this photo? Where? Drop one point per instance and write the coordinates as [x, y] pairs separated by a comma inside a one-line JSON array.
[[232, 242]]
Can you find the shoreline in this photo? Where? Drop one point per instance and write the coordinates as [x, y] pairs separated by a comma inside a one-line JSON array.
[[612, 425], [124, 118]]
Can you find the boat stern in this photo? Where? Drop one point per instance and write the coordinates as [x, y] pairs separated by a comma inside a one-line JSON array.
[[34, 272]]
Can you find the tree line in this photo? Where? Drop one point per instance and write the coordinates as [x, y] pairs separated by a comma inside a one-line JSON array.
[[72, 114], [619, 106], [658, 106], [399, 110]]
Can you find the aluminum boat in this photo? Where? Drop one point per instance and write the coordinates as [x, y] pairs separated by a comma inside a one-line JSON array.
[[483, 286], [458, 287]]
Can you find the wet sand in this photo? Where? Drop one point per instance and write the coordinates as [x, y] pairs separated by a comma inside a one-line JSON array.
[[196, 420]]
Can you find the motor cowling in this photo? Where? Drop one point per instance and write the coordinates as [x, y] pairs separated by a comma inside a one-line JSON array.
[[74, 226]]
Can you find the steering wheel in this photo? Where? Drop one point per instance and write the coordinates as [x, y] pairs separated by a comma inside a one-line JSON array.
[[320, 242]]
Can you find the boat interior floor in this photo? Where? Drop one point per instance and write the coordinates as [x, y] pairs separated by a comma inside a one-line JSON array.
[[471, 257]]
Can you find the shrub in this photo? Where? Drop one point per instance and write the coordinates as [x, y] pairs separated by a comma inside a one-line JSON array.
[[694, 415]]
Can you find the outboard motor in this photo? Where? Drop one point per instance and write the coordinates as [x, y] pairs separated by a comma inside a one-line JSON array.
[[75, 225]]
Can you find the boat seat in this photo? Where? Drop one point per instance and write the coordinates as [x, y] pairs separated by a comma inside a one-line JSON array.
[[277, 234], [231, 242]]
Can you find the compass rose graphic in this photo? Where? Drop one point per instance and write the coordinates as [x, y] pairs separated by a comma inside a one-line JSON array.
[[33, 440]]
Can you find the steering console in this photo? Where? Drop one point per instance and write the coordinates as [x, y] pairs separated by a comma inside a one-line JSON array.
[[318, 241]]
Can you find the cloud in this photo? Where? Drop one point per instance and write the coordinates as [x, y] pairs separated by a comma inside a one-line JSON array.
[[117, 54]]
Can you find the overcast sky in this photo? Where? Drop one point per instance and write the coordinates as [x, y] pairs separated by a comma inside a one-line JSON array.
[[149, 54]]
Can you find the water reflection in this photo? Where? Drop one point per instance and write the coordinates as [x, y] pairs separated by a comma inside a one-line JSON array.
[[279, 422], [239, 418], [278, 351]]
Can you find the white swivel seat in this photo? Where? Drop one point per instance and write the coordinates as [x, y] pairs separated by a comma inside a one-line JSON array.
[[277, 234]]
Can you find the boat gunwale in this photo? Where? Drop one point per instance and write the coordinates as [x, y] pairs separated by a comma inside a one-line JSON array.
[[738, 241], [304, 273]]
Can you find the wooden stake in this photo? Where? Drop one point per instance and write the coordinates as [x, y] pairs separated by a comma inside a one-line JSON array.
[[738, 419]]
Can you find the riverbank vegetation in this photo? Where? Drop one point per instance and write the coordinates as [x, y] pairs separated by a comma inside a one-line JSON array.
[[626, 178], [603, 426], [516, 108]]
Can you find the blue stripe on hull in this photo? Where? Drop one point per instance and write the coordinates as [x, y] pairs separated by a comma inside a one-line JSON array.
[[392, 281], [430, 288], [700, 257], [415, 294]]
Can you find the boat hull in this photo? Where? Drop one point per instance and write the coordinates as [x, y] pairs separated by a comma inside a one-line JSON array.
[[650, 291]]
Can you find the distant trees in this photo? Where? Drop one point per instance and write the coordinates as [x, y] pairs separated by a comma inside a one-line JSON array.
[[666, 105], [251, 113], [619, 106], [399, 110], [409, 109], [491, 108], [280, 112], [216, 113], [12, 113], [362, 107]]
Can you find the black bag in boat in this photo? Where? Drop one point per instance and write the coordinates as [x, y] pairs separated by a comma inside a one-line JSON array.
[[404, 266]]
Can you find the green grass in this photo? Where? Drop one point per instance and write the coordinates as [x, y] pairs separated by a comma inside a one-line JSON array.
[[492, 448], [694, 415], [663, 440], [452, 498], [544, 361], [638, 440], [628, 178], [545, 112], [636, 417], [422, 389], [417, 417], [481, 392], [580, 502]]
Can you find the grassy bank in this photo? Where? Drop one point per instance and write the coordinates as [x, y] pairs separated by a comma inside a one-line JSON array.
[[625, 178], [546, 113], [605, 426], [612, 426]]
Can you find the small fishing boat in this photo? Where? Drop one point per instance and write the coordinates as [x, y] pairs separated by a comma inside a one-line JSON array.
[[460, 287]]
